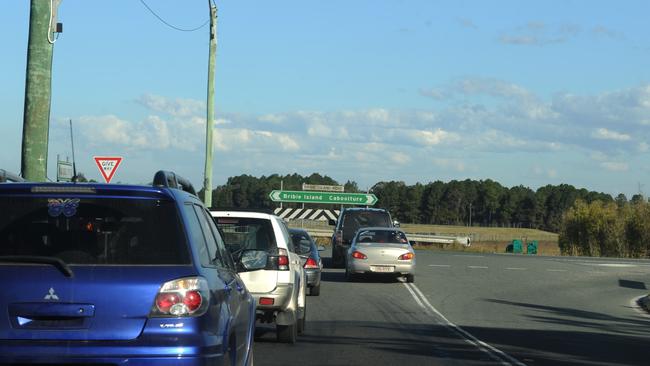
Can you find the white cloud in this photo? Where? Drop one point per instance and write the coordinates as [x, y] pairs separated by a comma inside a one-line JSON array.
[[400, 158], [272, 118], [243, 140], [605, 134], [178, 107], [452, 164], [614, 166], [319, 129], [536, 33], [643, 147], [432, 138]]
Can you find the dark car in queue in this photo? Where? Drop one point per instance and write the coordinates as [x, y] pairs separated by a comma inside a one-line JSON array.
[[109, 274], [309, 252]]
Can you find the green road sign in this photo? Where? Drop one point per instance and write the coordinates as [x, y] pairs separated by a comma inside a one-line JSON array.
[[324, 197]]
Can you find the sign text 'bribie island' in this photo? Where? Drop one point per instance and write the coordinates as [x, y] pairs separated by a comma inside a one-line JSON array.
[[324, 197]]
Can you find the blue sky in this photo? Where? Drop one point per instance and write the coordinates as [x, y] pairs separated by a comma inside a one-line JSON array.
[[530, 93]]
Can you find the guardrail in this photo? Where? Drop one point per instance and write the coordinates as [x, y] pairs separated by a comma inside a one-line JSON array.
[[413, 237]]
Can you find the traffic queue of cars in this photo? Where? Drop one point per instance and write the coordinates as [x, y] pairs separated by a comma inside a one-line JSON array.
[[146, 275]]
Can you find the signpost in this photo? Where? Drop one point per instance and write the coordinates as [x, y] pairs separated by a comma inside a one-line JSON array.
[[322, 188], [63, 171], [108, 166], [324, 197]]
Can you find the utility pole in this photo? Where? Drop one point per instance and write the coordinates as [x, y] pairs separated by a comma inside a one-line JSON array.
[[38, 89], [207, 177]]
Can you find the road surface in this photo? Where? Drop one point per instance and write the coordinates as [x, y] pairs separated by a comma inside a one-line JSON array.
[[475, 309]]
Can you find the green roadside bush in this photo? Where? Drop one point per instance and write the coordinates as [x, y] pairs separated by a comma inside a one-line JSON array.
[[606, 229]]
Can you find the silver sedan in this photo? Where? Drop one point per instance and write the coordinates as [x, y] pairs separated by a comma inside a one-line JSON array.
[[380, 250]]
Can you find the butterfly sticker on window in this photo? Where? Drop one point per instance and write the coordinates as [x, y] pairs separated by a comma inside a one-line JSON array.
[[58, 206]]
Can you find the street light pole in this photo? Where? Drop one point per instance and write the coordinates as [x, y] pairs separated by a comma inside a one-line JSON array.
[[38, 89], [207, 177]]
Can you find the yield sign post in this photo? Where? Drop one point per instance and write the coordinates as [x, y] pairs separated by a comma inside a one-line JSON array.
[[108, 166]]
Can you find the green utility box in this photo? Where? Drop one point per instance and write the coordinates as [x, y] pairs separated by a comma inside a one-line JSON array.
[[517, 247], [531, 248]]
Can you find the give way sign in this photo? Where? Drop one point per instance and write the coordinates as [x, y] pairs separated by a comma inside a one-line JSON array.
[[107, 166]]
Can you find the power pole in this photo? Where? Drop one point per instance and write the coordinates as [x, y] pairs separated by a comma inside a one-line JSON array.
[[207, 177], [38, 89]]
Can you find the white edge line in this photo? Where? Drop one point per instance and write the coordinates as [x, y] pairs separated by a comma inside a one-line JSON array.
[[516, 268], [439, 265], [635, 305], [477, 267], [415, 297], [485, 347]]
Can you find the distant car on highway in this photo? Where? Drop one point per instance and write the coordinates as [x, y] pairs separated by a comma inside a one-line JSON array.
[[350, 220], [270, 267], [100, 274], [380, 250], [312, 262]]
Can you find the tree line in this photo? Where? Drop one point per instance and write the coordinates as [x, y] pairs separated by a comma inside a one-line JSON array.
[[457, 202]]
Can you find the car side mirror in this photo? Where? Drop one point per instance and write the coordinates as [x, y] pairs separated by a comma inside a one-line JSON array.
[[252, 260], [396, 223], [321, 248]]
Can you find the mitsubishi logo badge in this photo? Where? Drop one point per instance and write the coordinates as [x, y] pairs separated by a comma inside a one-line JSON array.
[[51, 295]]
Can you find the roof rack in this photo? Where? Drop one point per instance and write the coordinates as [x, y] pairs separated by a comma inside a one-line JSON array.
[[171, 180], [6, 176]]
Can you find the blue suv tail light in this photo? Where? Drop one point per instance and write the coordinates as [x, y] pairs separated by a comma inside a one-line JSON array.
[[185, 297]]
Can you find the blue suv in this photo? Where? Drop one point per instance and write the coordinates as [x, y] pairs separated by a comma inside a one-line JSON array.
[[118, 275]]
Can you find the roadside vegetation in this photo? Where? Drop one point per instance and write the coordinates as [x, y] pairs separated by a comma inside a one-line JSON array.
[[608, 229], [588, 223]]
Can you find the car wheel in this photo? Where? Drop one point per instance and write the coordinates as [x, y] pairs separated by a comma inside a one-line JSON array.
[[337, 260], [287, 333], [410, 278], [348, 275], [302, 322], [314, 291]]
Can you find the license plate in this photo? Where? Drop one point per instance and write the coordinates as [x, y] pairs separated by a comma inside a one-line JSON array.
[[383, 269]]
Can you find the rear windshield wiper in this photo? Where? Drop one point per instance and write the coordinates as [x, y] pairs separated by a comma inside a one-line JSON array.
[[54, 261]]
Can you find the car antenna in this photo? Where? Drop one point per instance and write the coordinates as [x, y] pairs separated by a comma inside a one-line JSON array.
[[74, 166]]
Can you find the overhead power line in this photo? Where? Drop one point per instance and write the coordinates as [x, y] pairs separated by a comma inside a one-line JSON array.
[[171, 25]]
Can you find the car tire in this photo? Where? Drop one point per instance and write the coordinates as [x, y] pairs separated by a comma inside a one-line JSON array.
[[349, 276], [287, 333], [302, 322], [410, 278], [315, 290], [337, 259]]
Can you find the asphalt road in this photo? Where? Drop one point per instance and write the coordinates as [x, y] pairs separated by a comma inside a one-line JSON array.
[[469, 309]]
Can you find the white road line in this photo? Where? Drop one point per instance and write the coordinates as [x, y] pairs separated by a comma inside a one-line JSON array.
[[634, 303], [516, 268], [556, 270], [475, 267], [494, 353], [439, 265]]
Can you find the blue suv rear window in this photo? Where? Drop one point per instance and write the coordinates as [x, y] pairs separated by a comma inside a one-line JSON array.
[[93, 231]]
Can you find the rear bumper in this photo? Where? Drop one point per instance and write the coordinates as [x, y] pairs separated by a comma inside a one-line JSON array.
[[281, 297], [359, 266], [107, 353], [313, 277]]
